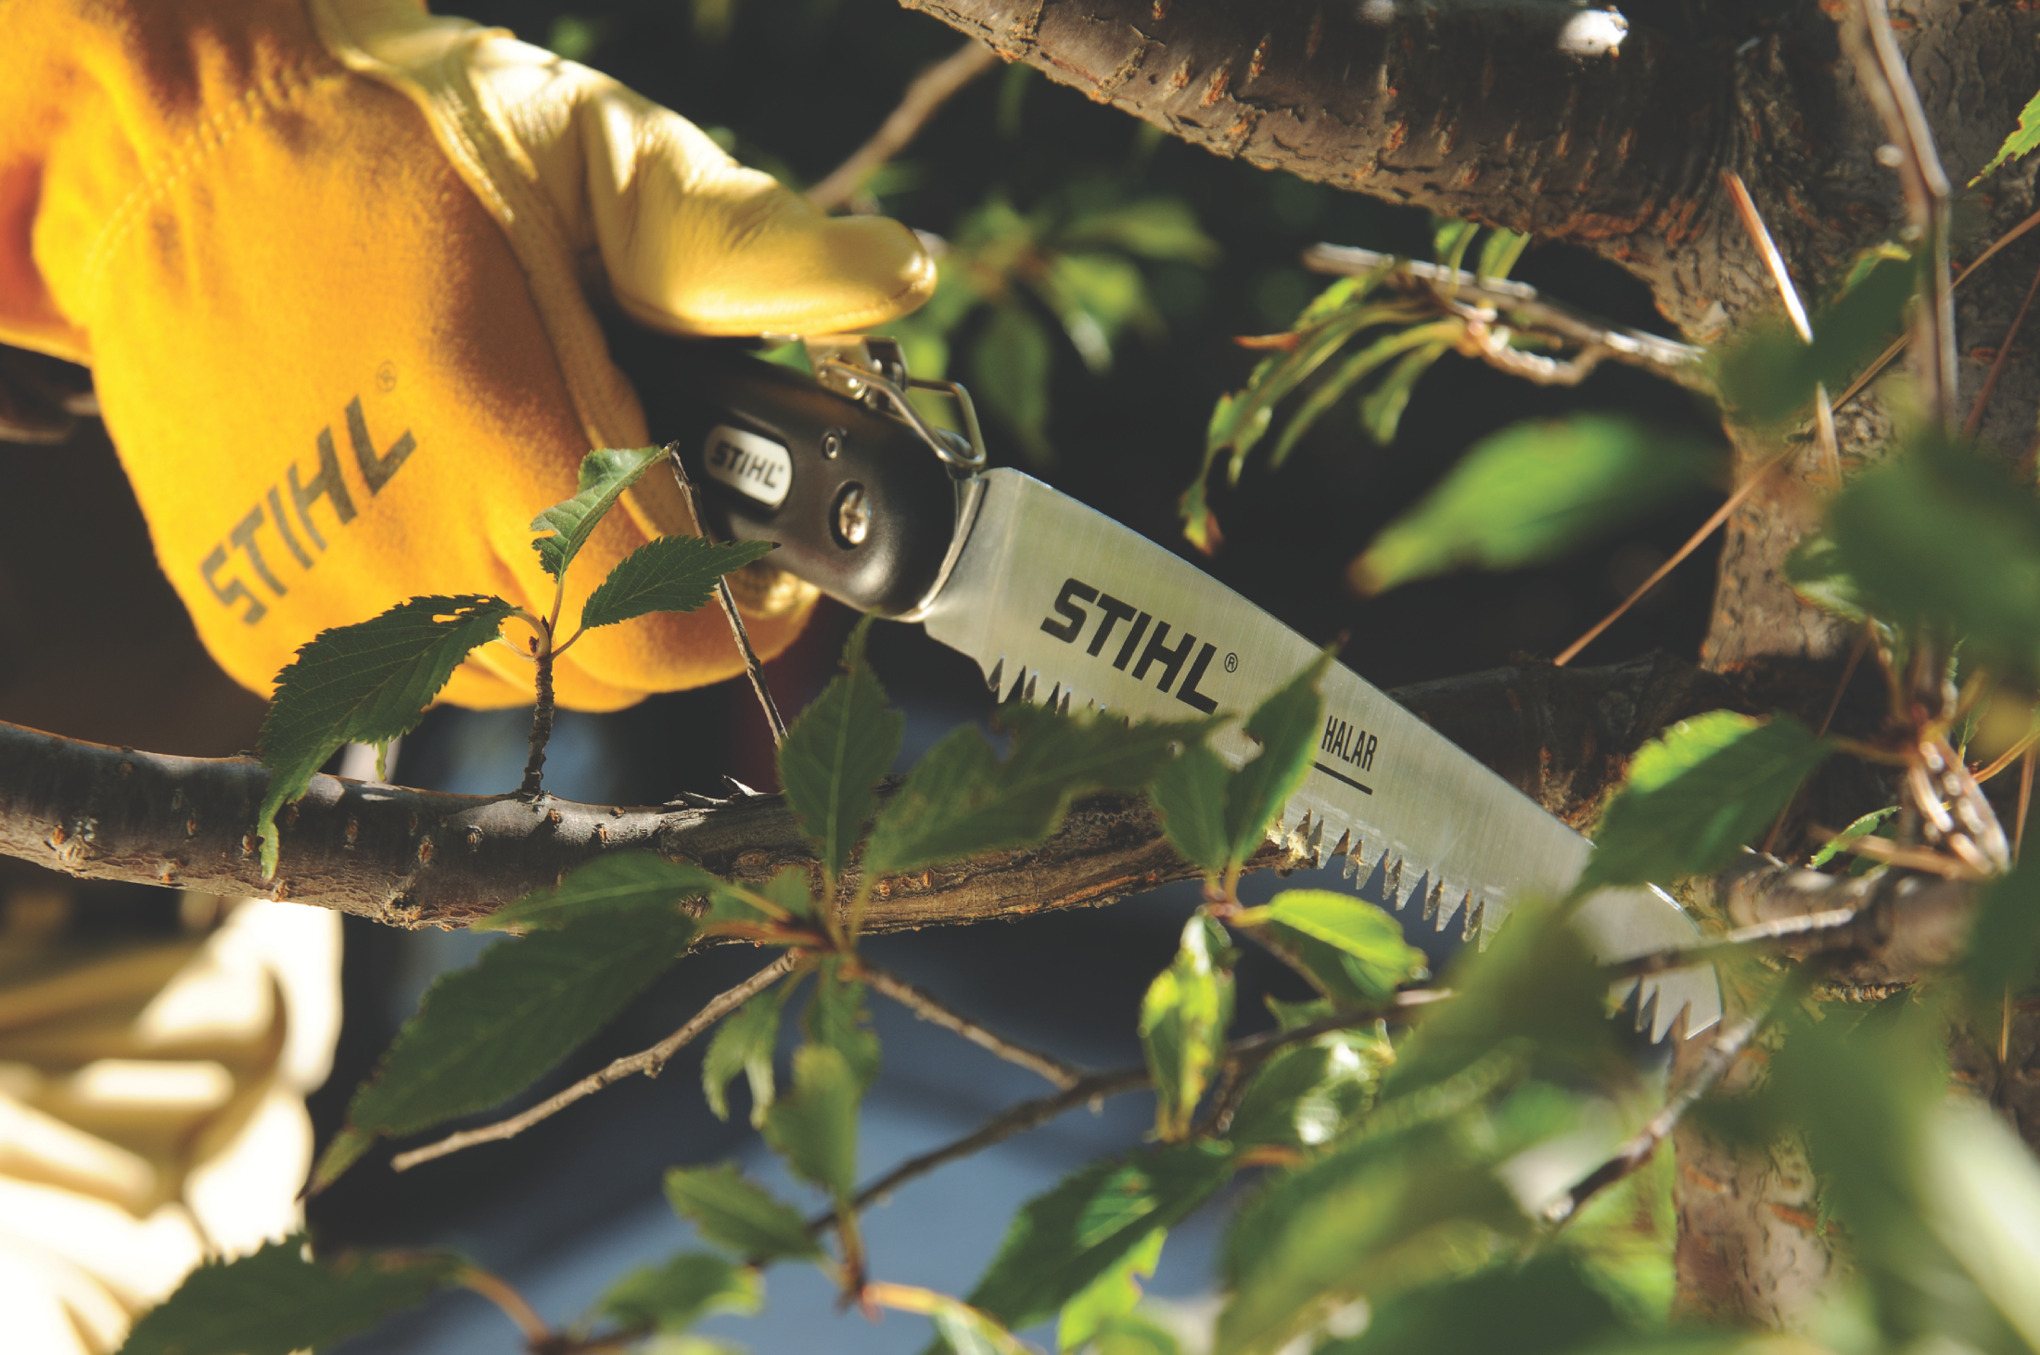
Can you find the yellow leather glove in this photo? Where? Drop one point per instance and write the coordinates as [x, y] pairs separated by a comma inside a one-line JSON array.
[[330, 262]]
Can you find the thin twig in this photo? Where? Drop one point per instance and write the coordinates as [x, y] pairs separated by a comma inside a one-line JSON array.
[[1707, 528], [650, 1062], [1882, 72], [1096, 1087], [1521, 302], [753, 669], [2025, 801], [1926, 859], [1997, 364], [497, 1291], [929, 91], [930, 1008], [1831, 929], [1713, 1066], [1760, 236]]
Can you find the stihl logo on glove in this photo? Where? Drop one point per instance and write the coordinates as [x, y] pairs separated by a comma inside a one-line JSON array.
[[329, 484]]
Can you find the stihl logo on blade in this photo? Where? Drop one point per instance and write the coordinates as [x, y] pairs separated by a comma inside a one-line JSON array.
[[1111, 611]]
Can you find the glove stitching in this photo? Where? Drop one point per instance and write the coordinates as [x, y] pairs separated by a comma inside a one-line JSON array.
[[208, 136]]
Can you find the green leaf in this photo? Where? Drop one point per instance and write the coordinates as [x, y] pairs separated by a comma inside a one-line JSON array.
[[2003, 959], [814, 1127], [1190, 795], [1062, 1241], [1546, 1306], [963, 800], [1861, 828], [1183, 1021], [627, 883], [1159, 228], [1287, 726], [1381, 409], [1113, 1294], [1817, 573], [275, 1301], [836, 1017], [1010, 364], [1450, 238], [485, 1033], [733, 1212], [1096, 296], [1696, 795], [2021, 142], [1499, 252], [1356, 928], [1533, 492], [1133, 1334], [1940, 537], [745, 1043], [1937, 1196], [1770, 375], [366, 683], [1349, 373], [1216, 817], [1378, 1216], [605, 474], [670, 574], [966, 1331], [834, 753], [688, 1287], [1311, 1094]]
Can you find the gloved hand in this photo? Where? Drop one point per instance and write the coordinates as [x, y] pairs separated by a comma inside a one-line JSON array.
[[331, 264]]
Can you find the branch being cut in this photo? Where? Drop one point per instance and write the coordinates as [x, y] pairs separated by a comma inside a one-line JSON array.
[[416, 858]]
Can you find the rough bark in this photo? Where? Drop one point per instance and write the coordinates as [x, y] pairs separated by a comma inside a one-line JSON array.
[[415, 858]]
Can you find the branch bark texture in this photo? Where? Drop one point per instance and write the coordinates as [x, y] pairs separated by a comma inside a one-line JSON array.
[[414, 858]]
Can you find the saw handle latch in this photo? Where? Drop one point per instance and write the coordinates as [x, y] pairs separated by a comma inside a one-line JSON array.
[[836, 468]]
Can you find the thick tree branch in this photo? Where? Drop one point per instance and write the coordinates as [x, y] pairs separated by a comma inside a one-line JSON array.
[[1544, 117], [418, 858]]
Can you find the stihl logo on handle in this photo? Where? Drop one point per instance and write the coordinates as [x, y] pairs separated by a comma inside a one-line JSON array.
[[1111, 611]]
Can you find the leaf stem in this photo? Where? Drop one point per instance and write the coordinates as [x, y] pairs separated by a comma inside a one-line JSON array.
[[650, 1062], [537, 1334]]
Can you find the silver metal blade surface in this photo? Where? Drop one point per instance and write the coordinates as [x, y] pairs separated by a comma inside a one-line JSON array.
[[1058, 603]]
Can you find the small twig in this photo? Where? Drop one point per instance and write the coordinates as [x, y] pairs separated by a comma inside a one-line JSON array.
[[1832, 929], [1913, 858], [1632, 1155], [1997, 364], [1882, 71], [1760, 236], [1521, 302], [929, 91], [650, 1062], [930, 1008], [536, 1332], [2008, 757], [1707, 529], [2025, 801], [753, 669], [1826, 438]]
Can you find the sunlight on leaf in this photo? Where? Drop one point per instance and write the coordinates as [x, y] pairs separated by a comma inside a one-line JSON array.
[[745, 1043], [1183, 1022], [1696, 795], [605, 474], [836, 752], [1112, 1294], [1381, 961], [2019, 142], [1533, 492], [670, 574], [366, 683]]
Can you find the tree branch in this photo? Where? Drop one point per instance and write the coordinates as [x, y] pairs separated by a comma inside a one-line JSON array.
[[1543, 117], [930, 90], [414, 858], [931, 1008]]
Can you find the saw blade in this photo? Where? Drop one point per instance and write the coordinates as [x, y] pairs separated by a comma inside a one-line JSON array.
[[1060, 604]]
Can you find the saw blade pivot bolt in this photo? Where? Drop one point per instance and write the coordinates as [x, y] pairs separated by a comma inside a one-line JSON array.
[[832, 443], [852, 519]]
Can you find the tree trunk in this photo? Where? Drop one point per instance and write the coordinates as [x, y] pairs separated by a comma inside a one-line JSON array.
[[1614, 134]]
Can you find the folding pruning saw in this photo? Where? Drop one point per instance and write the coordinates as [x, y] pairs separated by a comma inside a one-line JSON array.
[[1057, 603]]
